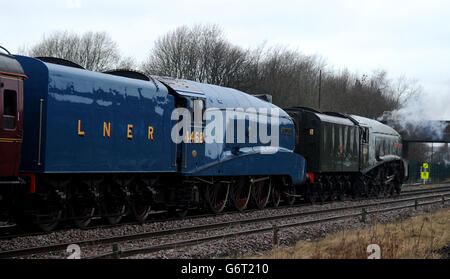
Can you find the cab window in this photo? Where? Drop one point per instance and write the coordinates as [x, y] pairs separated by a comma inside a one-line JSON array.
[[197, 111], [365, 135]]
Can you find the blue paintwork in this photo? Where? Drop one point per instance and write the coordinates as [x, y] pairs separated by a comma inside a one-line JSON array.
[[72, 94], [217, 159]]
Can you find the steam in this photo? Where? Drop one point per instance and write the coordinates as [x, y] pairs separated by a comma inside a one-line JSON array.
[[415, 117]]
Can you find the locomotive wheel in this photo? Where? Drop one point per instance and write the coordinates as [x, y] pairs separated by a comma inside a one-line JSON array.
[[311, 193], [179, 211], [140, 203], [397, 189], [114, 204], [356, 190], [240, 194], [275, 195], [371, 193], [50, 223], [289, 195], [322, 197], [312, 198], [140, 211], [348, 189], [380, 191], [83, 212], [391, 189], [375, 190], [362, 188], [387, 189], [379, 186], [182, 212], [216, 196], [83, 222], [82, 206], [340, 194], [335, 187], [261, 193], [116, 215], [332, 190], [384, 191], [50, 211], [324, 192]]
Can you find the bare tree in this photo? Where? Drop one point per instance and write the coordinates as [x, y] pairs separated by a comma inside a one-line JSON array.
[[403, 89], [202, 53], [127, 63], [94, 51], [287, 75], [199, 53]]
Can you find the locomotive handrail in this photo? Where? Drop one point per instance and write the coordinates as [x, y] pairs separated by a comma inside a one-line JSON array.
[[9, 53], [304, 108], [40, 130]]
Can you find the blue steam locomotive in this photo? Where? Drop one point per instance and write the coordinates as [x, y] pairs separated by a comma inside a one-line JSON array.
[[100, 144]]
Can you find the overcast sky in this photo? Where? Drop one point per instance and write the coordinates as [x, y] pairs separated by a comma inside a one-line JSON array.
[[409, 38]]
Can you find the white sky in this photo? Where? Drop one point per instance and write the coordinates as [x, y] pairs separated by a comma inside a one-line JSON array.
[[409, 38]]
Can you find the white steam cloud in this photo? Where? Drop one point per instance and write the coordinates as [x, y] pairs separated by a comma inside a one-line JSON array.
[[418, 116]]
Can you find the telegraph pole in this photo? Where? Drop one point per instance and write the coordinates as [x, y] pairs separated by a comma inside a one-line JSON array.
[[431, 159], [320, 85]]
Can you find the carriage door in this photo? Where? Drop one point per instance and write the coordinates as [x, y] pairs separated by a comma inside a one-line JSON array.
[[194, 146], [10, 125], [364, 150]]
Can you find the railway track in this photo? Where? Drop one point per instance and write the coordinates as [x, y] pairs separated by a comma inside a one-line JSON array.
[[162, 216], [201, 229], [433, 190], [268, 228]]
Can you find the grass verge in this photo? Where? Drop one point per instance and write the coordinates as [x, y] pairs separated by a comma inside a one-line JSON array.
[[419, 237]]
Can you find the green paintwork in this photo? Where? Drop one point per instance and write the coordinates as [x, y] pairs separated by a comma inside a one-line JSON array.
[[336, 143]]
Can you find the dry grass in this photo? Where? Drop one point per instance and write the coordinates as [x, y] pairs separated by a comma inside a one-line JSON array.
[[415, 238]]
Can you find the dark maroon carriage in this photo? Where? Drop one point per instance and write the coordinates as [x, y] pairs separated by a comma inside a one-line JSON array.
[[11, 131]]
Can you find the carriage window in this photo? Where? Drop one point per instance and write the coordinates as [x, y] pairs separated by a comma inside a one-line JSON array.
[[9, 109]]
